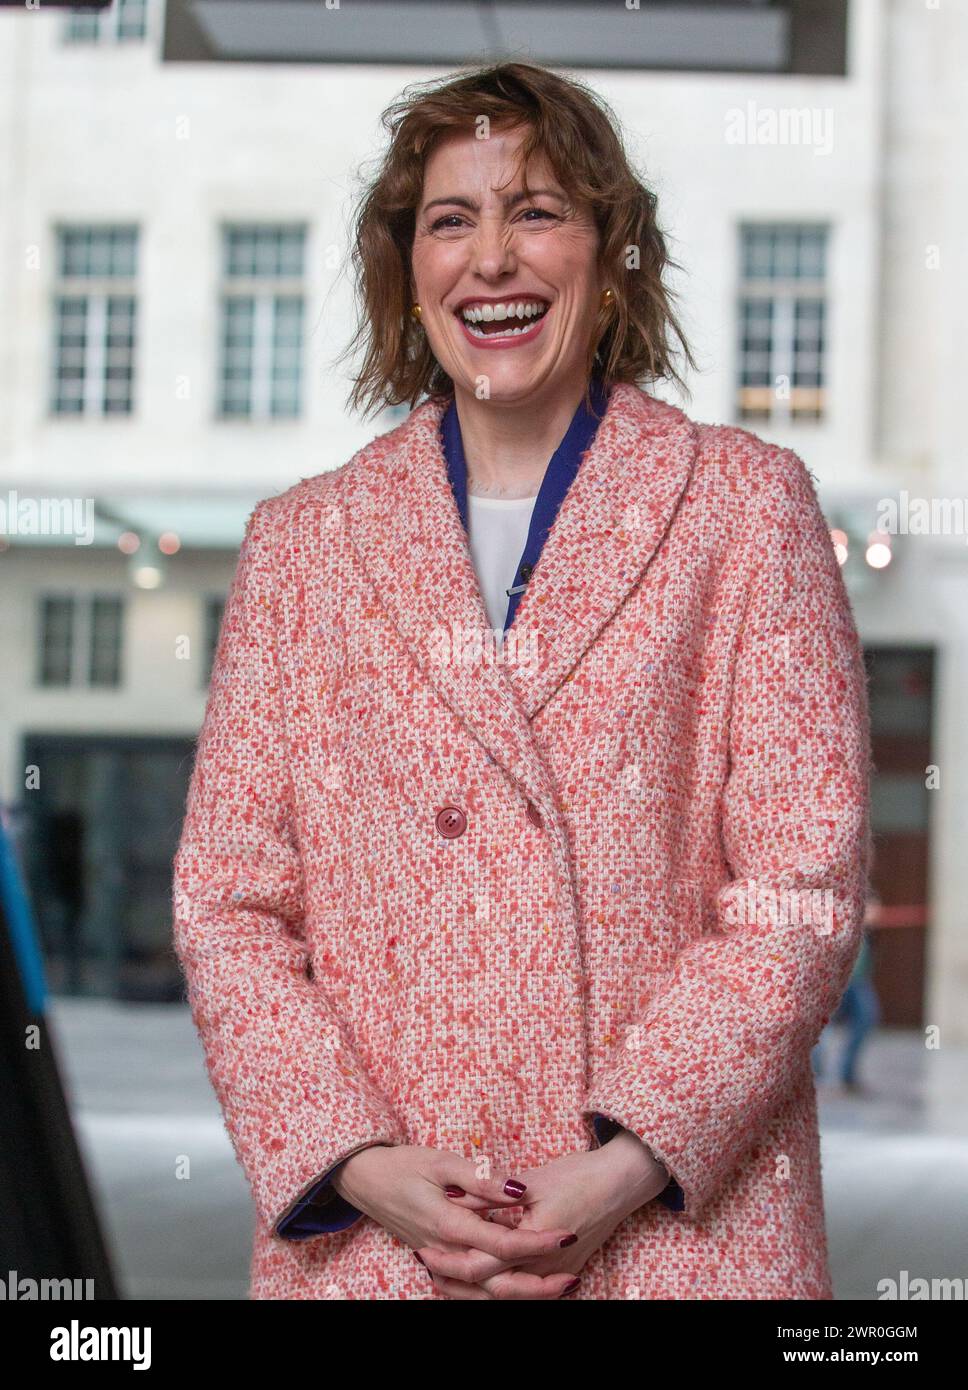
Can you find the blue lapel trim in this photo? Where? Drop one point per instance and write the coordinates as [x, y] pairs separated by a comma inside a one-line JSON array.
[[559, 475]]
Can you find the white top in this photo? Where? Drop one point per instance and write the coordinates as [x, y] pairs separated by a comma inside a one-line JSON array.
[[497, 531]]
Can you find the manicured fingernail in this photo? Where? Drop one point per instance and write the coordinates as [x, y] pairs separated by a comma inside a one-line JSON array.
[[453, 1191], [513, 1188], [419, 1257], [570, 1288], [568, 1240]]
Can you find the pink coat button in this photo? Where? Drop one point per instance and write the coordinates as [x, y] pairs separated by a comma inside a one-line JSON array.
[[534, 815], [451, 822]]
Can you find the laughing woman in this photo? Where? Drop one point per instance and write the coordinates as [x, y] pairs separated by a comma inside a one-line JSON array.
[[526, 848]]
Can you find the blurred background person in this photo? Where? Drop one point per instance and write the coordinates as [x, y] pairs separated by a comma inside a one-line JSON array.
[[857, 1013]]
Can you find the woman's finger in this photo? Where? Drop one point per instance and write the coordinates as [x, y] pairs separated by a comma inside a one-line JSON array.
[[508, 1216], [454, 1288], [517, 1283], [459, 1179], [469, 1266], [475, 1267], [511, 1247], [511, 1285], [511, 1217], [459, 1198]]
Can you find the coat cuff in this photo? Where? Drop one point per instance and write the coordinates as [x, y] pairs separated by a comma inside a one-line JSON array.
[[672, 1195], [320, 1210]]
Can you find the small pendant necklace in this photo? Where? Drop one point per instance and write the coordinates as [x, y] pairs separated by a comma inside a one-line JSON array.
[[476, 489], [514, 491]]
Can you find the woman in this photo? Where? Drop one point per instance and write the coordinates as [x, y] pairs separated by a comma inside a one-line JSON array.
[[508, 956]]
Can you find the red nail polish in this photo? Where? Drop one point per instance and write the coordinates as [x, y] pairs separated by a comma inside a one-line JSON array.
[[513, 1188], [570, 1288], [453, 1191], [568, 1240], [419, 1257]]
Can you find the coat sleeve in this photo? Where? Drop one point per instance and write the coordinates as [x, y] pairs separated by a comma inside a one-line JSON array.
[[729, 1033], [295, 1098]]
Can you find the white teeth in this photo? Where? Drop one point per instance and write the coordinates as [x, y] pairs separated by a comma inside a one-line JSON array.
[[508, 332], [497, 313]]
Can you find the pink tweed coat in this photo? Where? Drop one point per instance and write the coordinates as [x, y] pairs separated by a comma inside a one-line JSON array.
[[655, 901]]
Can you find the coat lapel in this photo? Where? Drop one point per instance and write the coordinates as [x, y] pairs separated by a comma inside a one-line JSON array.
[[406, 528]]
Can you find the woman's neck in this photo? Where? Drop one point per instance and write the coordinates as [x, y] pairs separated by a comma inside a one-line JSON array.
[[509, 446]]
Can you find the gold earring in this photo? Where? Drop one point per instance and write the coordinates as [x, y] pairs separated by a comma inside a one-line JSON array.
[[607, 298], [416, 311]]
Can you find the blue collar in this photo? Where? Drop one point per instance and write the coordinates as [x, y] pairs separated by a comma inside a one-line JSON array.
[[559, 475]]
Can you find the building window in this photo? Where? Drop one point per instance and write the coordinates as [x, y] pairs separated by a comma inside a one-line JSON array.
[[56, 640], [80, 640], [263, 295], [94, 321], [104, 661], [121, 20], [782, 312], [214, 608]]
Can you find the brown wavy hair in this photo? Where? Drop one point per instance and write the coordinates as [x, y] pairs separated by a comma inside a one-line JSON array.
[[578, 134]]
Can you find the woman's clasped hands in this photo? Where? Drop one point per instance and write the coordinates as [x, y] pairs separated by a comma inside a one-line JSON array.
[[508, 1237]]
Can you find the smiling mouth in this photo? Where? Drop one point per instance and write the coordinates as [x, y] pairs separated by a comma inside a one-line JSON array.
[[507, 320]]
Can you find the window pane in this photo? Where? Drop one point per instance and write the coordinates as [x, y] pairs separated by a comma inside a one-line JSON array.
[[132, 19], [265, 252], [105, 654], [286, 355], [808, 343], [235, 389], [757, 253], [756, 326], [56, 640], [238, 251], [813, 253], [81, 25], [123, 19], [292, 246], [70, 343], [119, 355], [99, 251], [785, 254]]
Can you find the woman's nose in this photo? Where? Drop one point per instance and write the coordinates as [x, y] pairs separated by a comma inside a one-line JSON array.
[[492, 250]]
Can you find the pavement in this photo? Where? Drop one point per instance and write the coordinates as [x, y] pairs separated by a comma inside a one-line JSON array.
[[177, 1213]]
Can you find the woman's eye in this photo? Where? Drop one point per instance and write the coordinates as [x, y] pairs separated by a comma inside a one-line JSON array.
[[453, 220]]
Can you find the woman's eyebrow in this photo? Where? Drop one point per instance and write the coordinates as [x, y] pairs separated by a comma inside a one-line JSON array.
[[508, 200]]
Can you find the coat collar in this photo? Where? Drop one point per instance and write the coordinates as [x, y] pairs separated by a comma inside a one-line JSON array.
[[406, 528]]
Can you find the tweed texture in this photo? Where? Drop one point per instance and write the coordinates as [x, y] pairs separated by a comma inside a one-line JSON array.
[[657, 898]]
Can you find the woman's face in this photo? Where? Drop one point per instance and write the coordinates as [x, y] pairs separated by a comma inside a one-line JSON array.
[[508, 285]]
